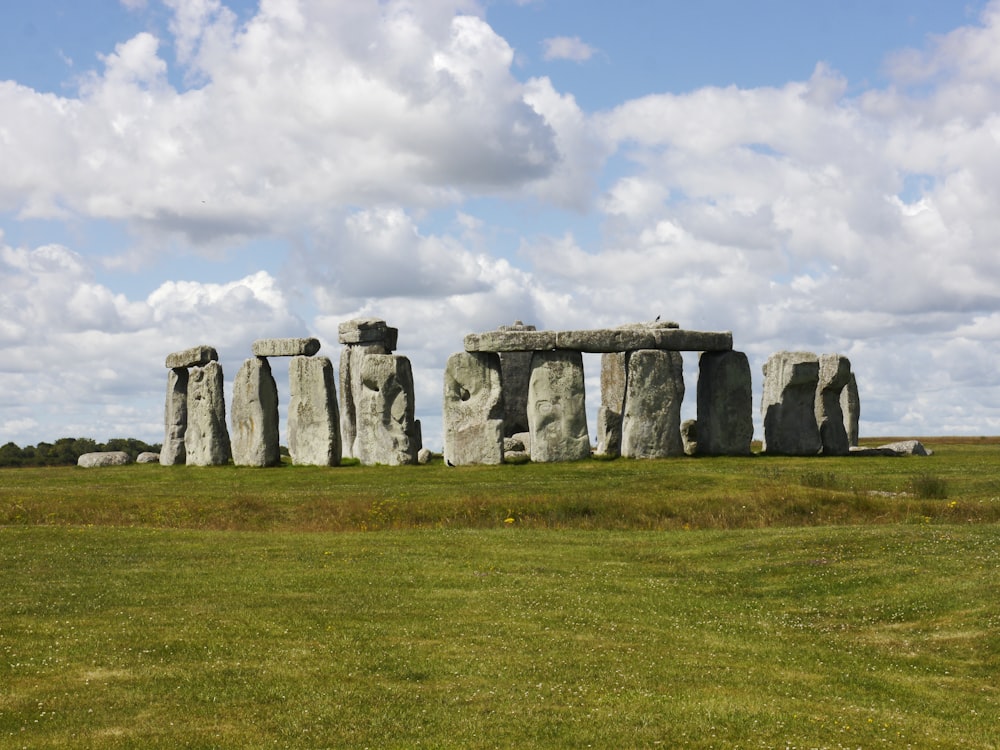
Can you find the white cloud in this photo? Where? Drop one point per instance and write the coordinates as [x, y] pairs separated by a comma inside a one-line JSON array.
[[570, 48], [307, 105], [801, 216]]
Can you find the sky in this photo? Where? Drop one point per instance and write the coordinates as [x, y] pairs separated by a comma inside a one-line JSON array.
[[815, 177]]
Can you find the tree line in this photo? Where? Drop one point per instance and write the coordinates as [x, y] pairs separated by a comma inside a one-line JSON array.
[[66, 451]]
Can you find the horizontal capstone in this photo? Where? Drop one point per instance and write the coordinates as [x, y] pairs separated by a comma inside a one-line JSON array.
[[196, 356], [285, 347], [601, 340]]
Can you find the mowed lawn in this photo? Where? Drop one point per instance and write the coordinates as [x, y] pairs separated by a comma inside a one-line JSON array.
[[527, 626]]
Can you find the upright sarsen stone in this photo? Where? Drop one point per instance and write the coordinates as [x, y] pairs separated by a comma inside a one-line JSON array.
[[654, 390], [515, 369], [788, 405], [609, 413], [386, 431], [255, 415], [361, 337], [206, 440], [850, 404], [175, 417], [725, 404], [834, 375], [313, 417], [557, 417], [473, 409]]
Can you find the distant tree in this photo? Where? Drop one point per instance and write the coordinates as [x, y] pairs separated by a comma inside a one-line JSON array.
[[11, 455]]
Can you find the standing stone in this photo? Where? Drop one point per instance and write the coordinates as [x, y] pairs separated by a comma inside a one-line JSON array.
[[175, 417], [557, 417], [689, 436], [206, 440], [654, 390], [255, 415], [515, 370], [850, 404], [385, 411], [834, 375], [313, 416], [609, 413], [788, 406], [473, 409], [361, 337], [725, 404]]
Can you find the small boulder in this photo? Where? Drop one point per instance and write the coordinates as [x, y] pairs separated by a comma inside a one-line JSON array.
[[147, 457], [423, 456], [908, 448], [103, 458]]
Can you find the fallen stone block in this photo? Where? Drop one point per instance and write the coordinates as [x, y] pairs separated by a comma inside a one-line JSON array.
[[147, 457], [908, 448], [103, 458]]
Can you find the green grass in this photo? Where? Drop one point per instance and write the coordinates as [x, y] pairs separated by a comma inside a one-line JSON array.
[[836, 637], [959, 483], [754, 603]]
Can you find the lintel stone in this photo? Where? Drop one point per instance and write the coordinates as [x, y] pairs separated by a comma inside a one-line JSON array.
[[366, 330], [600, 340], [196, 356], [285, 347]]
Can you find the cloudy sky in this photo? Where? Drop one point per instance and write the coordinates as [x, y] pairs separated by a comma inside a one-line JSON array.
[[820, 177]]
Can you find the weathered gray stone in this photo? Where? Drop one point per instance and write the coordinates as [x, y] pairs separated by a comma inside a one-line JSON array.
[[654, 390], [255, 415], [473, 409], [175, 417], [196, 356], [368, 331], [725, 404], [351, 357], [609, 413], [600, 340], [206, 440], [515, 369], [285, 347], [834, 375], [557, 417], [908, 448], [313, 416], [869, 451], [424, 456], [147, 457], [103, 458], [850, 404], [788, 405], [689, 436], [385, 411]]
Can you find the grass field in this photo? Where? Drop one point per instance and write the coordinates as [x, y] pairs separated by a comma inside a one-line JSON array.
[[762, 602]]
